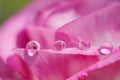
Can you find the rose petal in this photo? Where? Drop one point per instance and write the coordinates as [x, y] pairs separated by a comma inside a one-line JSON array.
[[16, 26], [19, 66], [110, 72], [70, 10], [101, 26], [48, 65], [44, 36], [105, 69], [6, 73]]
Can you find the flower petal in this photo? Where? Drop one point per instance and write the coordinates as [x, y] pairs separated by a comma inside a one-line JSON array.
[[46, 64], [100, 26], [105, 69], [70, 10], [44, 36], [19, 66], [16, 26], [7, 73]]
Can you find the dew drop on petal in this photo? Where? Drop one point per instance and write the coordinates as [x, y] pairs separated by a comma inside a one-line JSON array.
[[59, 45], [84, 45], [32, 47], [105, 48]]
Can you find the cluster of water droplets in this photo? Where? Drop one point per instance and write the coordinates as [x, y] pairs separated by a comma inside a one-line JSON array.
[[33, 46]]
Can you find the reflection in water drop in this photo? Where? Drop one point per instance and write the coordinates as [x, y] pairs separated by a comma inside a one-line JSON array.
[[32, 47], [59, 45], [105, 48], [84, 45], [104, 51]]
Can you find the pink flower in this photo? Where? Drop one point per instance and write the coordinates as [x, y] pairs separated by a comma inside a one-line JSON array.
[[79, 40]]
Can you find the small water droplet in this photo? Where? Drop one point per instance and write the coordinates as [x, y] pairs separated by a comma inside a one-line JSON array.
[[59, 45], [104, 51], [105, 48], [32, 47], [84, 45]]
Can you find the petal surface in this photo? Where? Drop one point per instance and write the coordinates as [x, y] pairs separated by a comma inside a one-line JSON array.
[[105, 69], [52, 65], [6, 73], [98, 27]]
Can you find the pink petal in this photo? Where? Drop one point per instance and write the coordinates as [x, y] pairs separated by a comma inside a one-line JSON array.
[[44, 36], [47, 63], [16, 26], [19, 66], [98, 27], [70, 10], [51, 65], [105, 69], [6, 73]]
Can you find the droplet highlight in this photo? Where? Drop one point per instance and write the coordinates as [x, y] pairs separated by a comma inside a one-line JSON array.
[[104, 51], [32, 47], [59, 45], [84, 45], [105, 48]]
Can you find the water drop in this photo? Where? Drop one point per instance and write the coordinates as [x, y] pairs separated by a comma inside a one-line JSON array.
[[105, 48], [104, 51], [32, 47], [59, 45], [84, 45]]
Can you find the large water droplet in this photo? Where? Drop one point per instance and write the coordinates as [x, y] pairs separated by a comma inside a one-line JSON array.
[[105, 48], [84, 45], [59, 45], [32, 47]]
